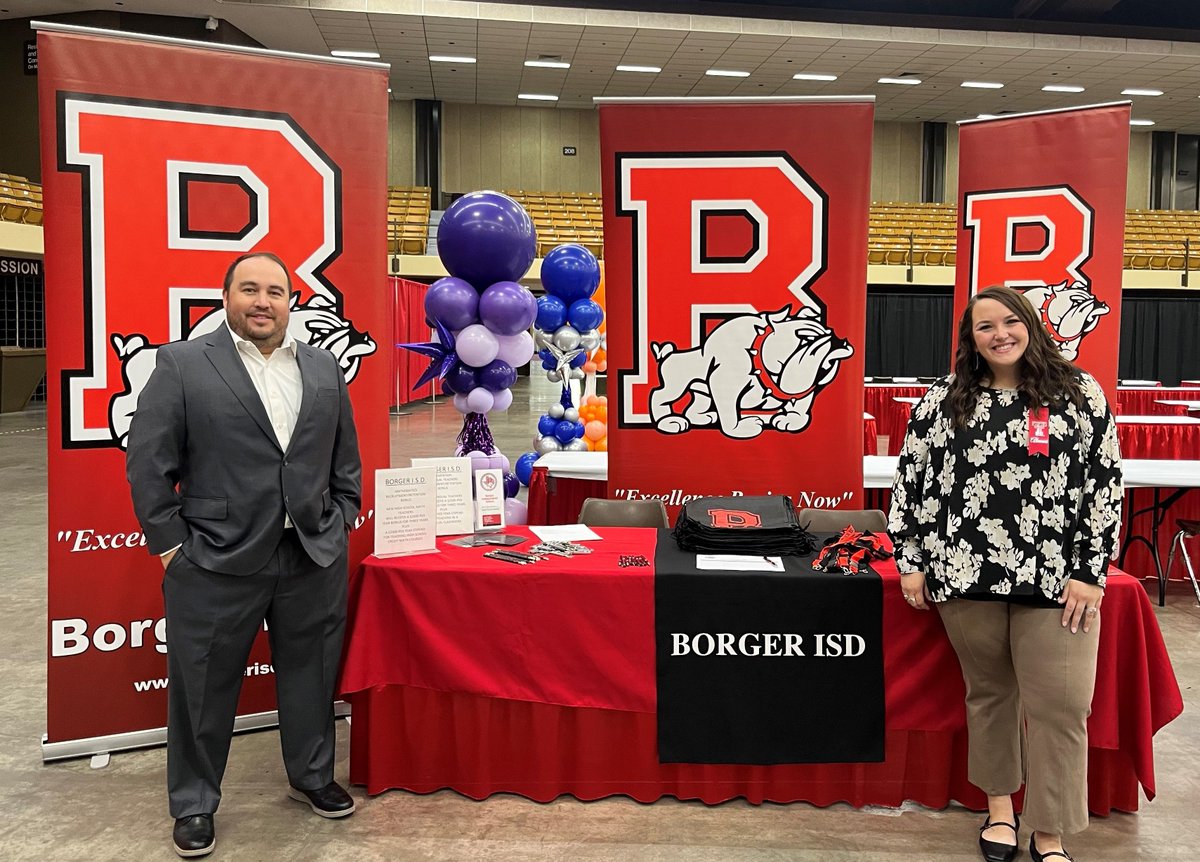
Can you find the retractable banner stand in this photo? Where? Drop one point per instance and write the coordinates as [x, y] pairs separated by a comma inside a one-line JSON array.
[[163, 160], [1042, 209], [736, 257]]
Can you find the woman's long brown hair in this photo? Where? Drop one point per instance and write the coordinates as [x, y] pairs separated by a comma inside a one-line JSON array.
[[1046, 377]]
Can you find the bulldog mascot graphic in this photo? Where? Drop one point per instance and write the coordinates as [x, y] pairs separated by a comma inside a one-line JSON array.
[[1068, 313], [752, 372], [316, 322]]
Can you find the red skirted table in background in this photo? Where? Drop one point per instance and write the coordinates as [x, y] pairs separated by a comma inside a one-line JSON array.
[[408, 303], [1139, 400], [487, 677], [892, 420]]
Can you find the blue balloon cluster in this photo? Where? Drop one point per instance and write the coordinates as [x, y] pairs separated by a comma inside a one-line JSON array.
[[558, 429], [567, 318]]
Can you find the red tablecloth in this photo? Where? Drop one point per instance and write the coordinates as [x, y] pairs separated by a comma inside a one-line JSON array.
[[892, 420], [408, 300], [1139, 401], [870, 435], [558, 501], [1173, 442], [539, 680]]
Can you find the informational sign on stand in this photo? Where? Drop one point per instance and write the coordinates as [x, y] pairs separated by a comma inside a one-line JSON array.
[[453, 485], [405, 511], [489, 500]]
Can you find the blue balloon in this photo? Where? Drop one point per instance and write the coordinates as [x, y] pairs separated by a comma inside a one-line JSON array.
[[551, 313], [545, 355], [578, 361], [585, 314], [549, 365], [462, 378], [547, 426], [578, 430], [486, 237], [571, 273], [565, 432], [524, 467], [511, 485]]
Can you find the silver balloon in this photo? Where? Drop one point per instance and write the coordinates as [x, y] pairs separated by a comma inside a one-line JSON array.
[[577, 374], [566, 338], [542, 339], [546, 445], [553, 375], [576, 445], [571, 414], [556, 411], [590, 340]]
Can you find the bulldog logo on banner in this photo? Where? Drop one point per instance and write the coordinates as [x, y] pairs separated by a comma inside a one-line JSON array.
[[1039, 237], [737, 268], [1043, 210]]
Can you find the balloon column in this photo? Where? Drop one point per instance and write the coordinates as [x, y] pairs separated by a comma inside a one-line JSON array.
[[482, 315], [567, 334]]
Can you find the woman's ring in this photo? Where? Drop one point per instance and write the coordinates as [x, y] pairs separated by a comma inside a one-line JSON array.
[[1092, 611]]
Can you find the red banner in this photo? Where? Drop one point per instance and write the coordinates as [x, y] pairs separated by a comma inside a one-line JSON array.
[[1042, 209], [736, 247], [162, 162]]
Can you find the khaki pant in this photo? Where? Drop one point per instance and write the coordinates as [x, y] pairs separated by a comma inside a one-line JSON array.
[[1020, 662]]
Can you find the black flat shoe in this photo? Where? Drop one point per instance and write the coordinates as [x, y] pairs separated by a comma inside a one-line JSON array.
[[1038, 857], [330, 801], [194, 836], [994, 851]]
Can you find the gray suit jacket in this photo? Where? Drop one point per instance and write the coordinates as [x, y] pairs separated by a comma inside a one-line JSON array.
[[206, 469]]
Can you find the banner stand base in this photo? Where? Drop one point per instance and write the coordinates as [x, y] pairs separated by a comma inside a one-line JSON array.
[[93, 745]]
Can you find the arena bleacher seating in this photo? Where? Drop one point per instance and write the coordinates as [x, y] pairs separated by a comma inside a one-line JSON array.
[[20, 200]]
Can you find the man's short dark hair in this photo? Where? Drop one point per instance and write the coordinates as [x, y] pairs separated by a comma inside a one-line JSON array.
[[269, 255]]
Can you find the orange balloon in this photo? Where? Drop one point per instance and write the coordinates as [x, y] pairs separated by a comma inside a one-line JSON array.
[[599, 355], [602, 367], [589, 368], [595, 430], [602, 414], [601, 444], [603, 399], [591, 446], [590, 400]]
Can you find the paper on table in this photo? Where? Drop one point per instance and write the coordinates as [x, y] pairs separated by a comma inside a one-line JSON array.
[[738, 563], [564, 533]]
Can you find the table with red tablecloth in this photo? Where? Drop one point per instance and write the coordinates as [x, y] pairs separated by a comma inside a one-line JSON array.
[[487, 677], [892, 419], [1139, 400], [408, 316], [1173, 438]]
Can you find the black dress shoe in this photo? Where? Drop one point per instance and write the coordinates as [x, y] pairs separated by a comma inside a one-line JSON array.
[[329, 801], [194, 836], [1049, 854], [994, 851]]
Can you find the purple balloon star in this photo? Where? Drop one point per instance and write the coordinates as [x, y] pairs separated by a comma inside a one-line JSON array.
[[441, 354]]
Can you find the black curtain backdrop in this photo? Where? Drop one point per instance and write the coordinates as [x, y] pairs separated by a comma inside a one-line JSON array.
[[1159, 336], [908, 333]]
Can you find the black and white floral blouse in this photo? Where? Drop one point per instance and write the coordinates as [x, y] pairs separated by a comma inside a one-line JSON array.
[[984, 518]]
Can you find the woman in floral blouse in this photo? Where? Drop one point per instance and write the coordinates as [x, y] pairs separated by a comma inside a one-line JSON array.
[[1005, 513]]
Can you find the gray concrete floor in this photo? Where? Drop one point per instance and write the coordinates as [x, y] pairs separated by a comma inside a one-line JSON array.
[[68, 810]]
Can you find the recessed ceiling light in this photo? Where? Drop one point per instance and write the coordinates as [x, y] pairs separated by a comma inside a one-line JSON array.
[[1139, 91], [548, 64], [982, 85], [356, 55], [653, 70], [537, 97], [1061, 88], [727, 73], [447, 58], [809, 76], [909, 81], [1141, 122]]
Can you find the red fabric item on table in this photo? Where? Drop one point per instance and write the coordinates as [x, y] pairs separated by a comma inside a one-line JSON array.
[[1139, 401], [482, 676], [558, 501], [1168, 442], [891, 419], [870, 436], [409, 327]]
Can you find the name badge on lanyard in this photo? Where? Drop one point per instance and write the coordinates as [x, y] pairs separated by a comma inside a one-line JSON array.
[[1039, 430]]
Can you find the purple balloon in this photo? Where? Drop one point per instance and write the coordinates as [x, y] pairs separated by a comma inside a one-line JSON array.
[[476, 346], [486, 237], [461, 378], [497, 375], [506, 308], [480, 400], [502, 400], [511, 485], [516, 350], [453, 302], [516, 513]]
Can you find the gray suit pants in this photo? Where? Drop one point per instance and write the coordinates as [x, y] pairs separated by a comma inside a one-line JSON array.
[[212, 620]]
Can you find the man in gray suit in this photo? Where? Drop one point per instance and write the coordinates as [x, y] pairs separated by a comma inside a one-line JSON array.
[[245, 474]]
